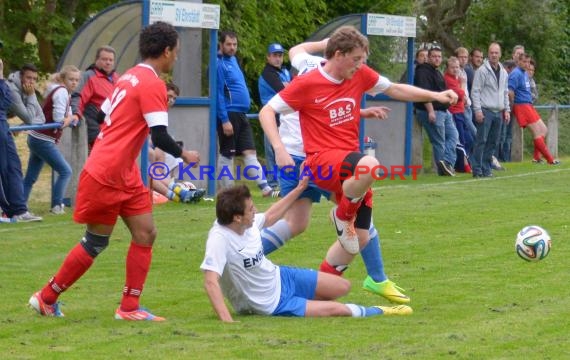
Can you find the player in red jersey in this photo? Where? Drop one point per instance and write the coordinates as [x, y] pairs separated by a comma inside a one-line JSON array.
[[328, 101], [110, 184]]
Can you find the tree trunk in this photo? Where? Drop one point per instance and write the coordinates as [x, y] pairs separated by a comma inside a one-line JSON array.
[[44, 36], [442, 15]]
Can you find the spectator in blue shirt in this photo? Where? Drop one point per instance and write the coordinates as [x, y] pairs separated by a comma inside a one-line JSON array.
[[527, 116], [234, 131], [273, 79]]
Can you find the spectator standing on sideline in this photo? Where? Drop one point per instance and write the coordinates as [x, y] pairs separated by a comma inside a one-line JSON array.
[[525, 113], [234, 266], [475, 60], [25, 105], [491, 108], [273, 79], [43, 143], [518, 50], [234, 130], [466, 72], [509, 65], [7, 146], [110, 184], [421, 57], [12, 199], [434, 116], [506, 136], [455, 82], [533, 88], [96, 85]]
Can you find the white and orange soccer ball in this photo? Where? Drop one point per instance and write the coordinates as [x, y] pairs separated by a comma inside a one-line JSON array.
[[533, 243], [188, 185]]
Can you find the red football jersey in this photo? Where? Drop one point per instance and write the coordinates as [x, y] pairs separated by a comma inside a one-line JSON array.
[[137, 103], [329, 109]]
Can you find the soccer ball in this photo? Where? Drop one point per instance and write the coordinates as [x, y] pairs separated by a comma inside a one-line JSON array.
[[188, 185], [533, 243]]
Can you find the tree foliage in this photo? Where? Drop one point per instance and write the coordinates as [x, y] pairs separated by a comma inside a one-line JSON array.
[[38, 31], [259, 23], [541, 25], [439, 20]]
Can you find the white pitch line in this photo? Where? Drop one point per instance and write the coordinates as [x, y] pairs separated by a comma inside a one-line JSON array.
[[10, 228], [461, 182]]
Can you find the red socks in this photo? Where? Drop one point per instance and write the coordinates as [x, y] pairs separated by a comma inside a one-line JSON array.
[[78, 261], [138, 265], [346, 209], [536, 153], [540, 146], [328, 268], [74, 266]]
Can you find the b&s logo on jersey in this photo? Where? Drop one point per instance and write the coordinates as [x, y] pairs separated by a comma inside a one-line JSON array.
[[341, 111]]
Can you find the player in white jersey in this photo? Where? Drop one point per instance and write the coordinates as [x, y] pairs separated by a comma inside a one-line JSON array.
[[297, 219], [234, 265]]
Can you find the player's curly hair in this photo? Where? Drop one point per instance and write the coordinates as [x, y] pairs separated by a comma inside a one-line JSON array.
[[230, 202], [345, 39], [155, 38]]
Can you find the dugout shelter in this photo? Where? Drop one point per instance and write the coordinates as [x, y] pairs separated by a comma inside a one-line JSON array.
[[193, 118]]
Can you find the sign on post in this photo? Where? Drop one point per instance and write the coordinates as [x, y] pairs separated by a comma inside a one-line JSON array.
[[184, 14], [391, 25]]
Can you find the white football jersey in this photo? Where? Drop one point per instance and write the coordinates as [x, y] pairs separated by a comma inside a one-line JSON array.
[[250, 281], [290, 129]]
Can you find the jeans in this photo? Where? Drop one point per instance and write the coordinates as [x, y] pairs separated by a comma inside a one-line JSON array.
[[442, 135], [270, 160], [486, 142], [12, 200], [463, 132], [43, 151], [505, 141], [470, 124]]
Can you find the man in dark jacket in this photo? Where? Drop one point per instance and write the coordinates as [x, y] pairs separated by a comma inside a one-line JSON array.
[[96, 85], [273, 79], [434, 115]]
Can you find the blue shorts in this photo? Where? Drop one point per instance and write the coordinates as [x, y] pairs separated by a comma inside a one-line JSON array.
[[289, 181], [297, 286]]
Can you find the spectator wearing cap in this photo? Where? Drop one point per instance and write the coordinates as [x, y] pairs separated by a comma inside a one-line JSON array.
[[273, 79]]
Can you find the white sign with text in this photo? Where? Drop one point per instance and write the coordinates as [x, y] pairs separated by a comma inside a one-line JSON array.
[[391, 25], [184, 14]]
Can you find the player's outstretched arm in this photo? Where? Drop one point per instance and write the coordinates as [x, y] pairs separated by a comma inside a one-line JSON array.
[[309, 47], [277, 210], [407, 92], [212, 286], [267, 121]]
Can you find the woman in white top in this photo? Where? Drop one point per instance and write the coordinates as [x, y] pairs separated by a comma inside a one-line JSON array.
[[43, 143]]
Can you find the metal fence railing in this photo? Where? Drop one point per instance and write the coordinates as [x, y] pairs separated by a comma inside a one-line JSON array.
[[75, 158], [551, 116]]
